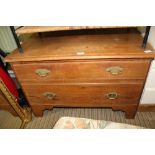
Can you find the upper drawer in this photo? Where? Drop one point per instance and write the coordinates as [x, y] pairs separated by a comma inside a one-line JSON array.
[[61, 71]]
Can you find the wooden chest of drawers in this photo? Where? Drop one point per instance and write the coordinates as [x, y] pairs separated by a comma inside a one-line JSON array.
[[83, 71]]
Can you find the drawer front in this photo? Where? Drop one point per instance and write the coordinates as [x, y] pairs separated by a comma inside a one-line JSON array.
[[134, 69], [83, 95]]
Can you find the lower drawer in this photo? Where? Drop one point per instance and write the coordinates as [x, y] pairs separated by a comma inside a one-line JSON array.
[[84, 94]]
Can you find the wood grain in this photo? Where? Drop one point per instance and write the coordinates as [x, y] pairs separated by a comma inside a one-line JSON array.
[[83, 70], [129, 109], [36, 29], [78, 74], [84, 94], [82, 47]]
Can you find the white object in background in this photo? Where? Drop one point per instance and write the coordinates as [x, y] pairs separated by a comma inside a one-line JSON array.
[[11, 73], [148, 95], [150, 83], [153, 64]]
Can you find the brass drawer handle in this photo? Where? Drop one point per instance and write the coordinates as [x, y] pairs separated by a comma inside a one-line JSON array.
[[49, 95], [112, 96], [42, 72], [115, 70]]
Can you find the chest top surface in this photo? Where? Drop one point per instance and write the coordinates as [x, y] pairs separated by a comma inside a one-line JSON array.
[[73, 47]]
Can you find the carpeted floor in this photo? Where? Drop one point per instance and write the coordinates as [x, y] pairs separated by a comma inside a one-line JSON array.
[[144, 119]]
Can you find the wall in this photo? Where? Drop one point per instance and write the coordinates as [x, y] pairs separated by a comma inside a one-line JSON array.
[[148, 96], [151, 38], [7, 42]]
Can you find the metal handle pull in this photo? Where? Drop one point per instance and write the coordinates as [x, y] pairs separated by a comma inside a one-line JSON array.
[[112, 96], [49, 95], [42, 72], [115, 70]]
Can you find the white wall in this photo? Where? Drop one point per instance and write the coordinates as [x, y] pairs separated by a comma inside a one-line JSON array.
[[151, 38], [148, 96]]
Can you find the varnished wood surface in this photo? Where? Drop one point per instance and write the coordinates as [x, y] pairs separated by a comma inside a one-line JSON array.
[[35, 29], [85, 94], [82, 47], [129, 109], [78, 76], [82, 70]]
